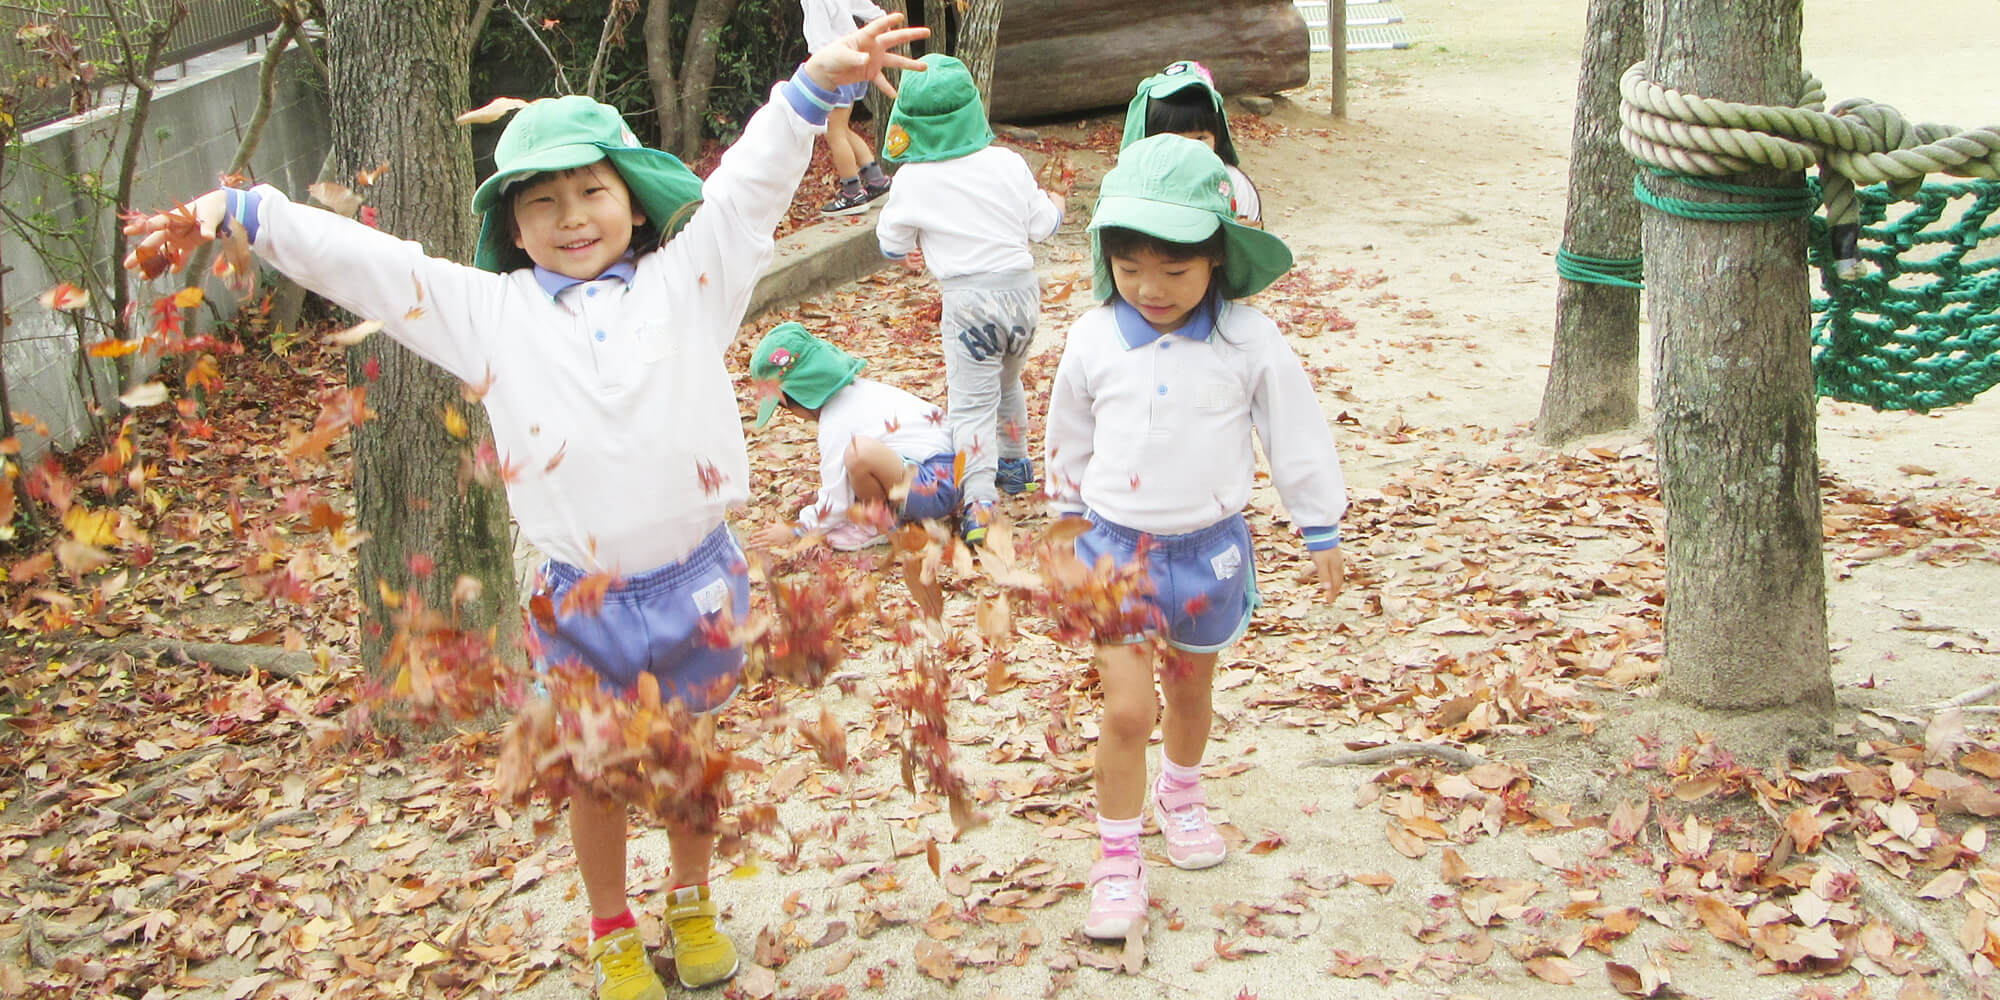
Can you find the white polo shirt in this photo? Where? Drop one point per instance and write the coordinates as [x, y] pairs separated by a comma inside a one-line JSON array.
[[614, 416], [1153, 431]]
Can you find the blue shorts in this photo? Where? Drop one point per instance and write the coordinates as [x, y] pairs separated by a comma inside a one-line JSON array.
[[849, 94], [1204, 587], [651, 623], [934, 493]]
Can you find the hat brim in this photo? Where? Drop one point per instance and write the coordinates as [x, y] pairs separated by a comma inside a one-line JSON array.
[[665, 190], [766, 407], [1254, 258]]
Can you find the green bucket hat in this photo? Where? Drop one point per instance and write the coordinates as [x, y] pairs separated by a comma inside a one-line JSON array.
[[1177, 77], [806, 368], [563, 132], [938, 115], [1175, 189]]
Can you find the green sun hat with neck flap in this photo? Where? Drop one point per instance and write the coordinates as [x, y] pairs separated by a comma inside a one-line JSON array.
[[938, 115], [806, 368], [1175, 189], [1177, 77], [559, 133]]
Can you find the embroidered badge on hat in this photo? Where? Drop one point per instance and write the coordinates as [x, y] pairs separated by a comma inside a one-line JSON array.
[[899, 140], [781, 358]]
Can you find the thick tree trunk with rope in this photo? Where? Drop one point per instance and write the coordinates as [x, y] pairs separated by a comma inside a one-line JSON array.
[[1733, 390], [1594, 372], [410, 55]]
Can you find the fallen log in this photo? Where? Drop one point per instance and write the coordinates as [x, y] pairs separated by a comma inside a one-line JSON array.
[[1058, 57]]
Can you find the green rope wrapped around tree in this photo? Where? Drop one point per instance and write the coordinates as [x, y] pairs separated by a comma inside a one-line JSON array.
[[1621, 272]]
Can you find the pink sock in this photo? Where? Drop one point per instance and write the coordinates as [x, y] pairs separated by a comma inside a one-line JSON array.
[[600, 926], [1178, 777], [1119, 836]]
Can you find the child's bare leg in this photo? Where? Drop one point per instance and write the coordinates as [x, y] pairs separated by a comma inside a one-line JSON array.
[[1188, 685], [845, 165], [1130, 710], [863, 156], [689, 853], [597, 829], [875, 470]]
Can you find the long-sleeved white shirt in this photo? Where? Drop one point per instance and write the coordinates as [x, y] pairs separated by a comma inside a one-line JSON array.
[[910, 427], [975, 214], [1152, 431], [613, 413], [827, 20]]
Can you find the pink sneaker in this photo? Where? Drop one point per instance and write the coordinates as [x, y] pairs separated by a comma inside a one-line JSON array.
[[850, 536], [1117, 897], [1192, 839]]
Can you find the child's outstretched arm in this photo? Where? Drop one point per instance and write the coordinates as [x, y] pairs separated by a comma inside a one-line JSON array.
[[864, 54]]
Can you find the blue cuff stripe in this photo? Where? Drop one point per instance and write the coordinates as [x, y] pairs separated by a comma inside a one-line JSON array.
[[1320, 539], [808, 98], [243, 210]]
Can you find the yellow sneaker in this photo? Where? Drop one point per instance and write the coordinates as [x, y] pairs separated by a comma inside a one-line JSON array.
[[703, 955], [623, 971]]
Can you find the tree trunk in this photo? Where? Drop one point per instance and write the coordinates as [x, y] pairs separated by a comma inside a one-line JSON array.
[[681, 78], [411, 55], [1594, 374], [937, 17], [878, 103], [978, 40], [1733, 390], [663, 72]]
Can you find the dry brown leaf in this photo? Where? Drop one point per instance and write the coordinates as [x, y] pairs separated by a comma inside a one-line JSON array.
[[491, 111]]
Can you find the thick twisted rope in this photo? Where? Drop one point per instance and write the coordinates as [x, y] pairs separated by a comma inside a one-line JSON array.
[[1858, 142]]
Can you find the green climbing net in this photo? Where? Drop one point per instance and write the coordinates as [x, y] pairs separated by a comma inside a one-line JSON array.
[[1919, 327]]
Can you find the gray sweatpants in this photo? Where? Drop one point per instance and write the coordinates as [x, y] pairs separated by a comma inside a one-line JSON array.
[[988, 324]]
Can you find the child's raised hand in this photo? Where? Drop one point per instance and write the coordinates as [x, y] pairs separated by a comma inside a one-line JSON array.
[[864, 54], [169, 238], [1332, 572]]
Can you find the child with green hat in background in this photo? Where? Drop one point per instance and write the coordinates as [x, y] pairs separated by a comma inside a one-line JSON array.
[[877, 444], [1182, 100], [968, 210], [1149, 437], [602, 349]]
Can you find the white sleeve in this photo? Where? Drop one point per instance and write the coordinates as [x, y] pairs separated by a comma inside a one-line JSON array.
[[1285, 410], [1043, 217], [835, 494], [865, 10], [729, 242], [1068, 433], [1243, 196], [435, 307], [895, 231]]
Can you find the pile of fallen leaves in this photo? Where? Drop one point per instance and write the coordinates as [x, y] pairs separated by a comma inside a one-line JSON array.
[[180, 818]]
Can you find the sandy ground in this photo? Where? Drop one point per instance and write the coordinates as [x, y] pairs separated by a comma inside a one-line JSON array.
[[1446, 189]]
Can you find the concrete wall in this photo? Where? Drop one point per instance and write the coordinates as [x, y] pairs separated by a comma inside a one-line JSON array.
[[192, 133]]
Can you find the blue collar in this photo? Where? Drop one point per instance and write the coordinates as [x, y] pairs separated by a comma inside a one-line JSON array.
[[623, 269], [1137, 333]]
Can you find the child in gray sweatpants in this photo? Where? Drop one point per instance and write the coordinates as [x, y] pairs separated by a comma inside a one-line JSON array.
[[968, 210]]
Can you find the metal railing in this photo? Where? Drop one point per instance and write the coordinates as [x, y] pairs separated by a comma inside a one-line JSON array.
[[43, 94]]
